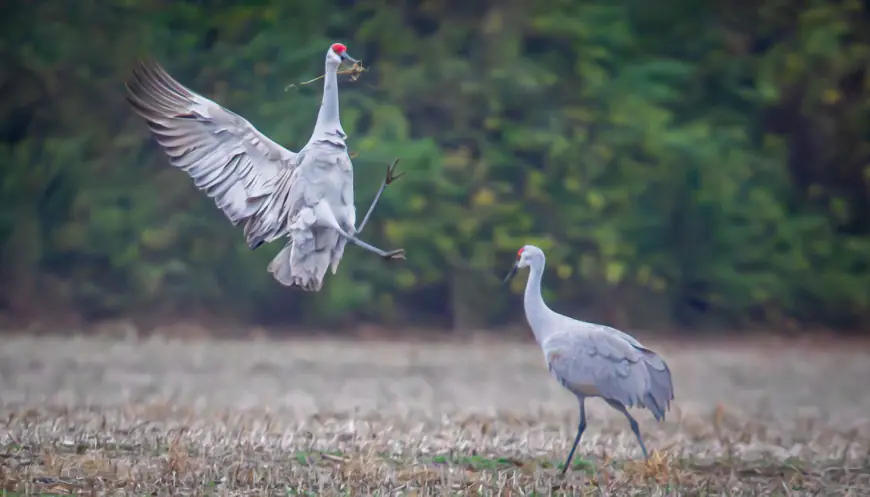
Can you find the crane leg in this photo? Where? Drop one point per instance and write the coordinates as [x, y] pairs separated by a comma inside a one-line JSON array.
[[325, 217], [580, 429], [632, 422], [389, 178]]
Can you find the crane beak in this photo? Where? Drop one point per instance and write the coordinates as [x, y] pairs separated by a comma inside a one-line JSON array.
[[510, 274], [347, 58]]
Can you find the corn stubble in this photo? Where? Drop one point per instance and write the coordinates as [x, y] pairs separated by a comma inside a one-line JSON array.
[[180, 446]]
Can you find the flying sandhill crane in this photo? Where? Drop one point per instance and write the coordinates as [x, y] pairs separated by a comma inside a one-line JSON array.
[[306, 196], [592, 360]]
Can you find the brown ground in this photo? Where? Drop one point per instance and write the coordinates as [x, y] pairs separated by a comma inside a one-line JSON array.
[[361, 418]]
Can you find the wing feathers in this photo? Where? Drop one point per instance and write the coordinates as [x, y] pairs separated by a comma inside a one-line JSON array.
[[252, 179], [227, 158], [603, 362]]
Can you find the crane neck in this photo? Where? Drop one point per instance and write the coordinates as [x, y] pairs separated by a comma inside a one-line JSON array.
[[328, 120], [537, 313]]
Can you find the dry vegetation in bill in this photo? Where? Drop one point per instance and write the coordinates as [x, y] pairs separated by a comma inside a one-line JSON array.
[[158, 417]]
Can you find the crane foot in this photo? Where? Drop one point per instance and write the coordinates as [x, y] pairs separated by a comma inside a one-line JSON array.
[[391, 169], [395, 254]]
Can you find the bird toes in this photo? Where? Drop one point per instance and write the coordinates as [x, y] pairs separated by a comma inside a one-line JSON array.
[[395, 254], [391, 169]]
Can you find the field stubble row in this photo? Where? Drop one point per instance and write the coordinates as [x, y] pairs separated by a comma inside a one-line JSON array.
[[225, 417]]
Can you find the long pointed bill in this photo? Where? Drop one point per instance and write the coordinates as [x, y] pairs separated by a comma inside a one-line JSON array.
[[345, 58], [510, 274]]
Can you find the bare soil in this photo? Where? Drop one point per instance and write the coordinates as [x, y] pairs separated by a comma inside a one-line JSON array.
[[207, 417]]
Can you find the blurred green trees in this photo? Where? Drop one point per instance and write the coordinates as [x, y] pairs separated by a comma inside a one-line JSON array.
[[690, 163]]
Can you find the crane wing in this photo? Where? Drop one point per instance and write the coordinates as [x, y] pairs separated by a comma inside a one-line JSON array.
[[598, 363], [227, 157]]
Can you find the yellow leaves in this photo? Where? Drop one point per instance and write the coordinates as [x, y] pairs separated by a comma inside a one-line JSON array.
[[405, 278], [767, 88], [483, 197], [270, 14], [392, 230], [831, 96], [467, 225], [794, 64], [647, 278], [368, 143], [614, 271], [456, 159], [535, 184], [595, 200], [158, 238], [444, 243], [602, 151], [417, 203], [573, 185], [560, 146]]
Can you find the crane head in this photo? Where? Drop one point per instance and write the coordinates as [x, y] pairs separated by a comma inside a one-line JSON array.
[[516, 266], [337, 54], [524, 256]]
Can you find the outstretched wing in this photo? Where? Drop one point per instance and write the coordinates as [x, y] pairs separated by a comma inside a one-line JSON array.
[[227, 157], [597, 362]]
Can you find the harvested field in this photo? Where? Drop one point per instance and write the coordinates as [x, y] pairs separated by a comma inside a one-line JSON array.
[[104, 417]]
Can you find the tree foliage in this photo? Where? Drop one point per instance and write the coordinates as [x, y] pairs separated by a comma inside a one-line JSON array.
[[701, 164]]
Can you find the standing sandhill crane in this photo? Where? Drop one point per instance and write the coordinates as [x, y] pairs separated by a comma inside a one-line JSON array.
[[306, 196], [592, 360]]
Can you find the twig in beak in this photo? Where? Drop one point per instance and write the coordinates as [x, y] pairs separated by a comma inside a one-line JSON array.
[[354, 73]]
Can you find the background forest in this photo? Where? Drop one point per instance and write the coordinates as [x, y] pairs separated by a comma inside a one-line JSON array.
[[686, 165]]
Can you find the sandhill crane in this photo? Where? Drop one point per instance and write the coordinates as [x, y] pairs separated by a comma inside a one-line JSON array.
[[592, 360], [306, 196]]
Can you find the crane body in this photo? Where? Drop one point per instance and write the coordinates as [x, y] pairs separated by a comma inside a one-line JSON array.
[[306, 196], [593, 360]]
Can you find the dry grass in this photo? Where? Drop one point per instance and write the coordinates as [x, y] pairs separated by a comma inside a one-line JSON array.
[[258, 418]]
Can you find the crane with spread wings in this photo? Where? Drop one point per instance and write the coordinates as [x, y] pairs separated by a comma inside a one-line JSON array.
[[306, 196]]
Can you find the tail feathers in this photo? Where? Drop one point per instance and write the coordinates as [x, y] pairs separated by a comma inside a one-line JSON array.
[[649, 401], [280, 267], [661, 390], [308, 276], [304, 261]]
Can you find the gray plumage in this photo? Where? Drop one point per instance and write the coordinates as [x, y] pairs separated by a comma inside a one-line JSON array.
[[306, 196], [592, 360]]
